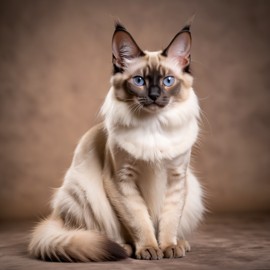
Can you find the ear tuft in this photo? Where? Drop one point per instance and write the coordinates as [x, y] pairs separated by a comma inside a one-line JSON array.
[[186, 28], [119, 26], [188, 24]]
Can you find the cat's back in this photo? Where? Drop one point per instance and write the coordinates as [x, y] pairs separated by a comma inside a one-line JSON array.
[[93, 142]]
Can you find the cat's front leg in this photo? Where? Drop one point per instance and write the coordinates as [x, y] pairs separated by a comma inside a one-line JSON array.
[[173, 206], [128, 202], [140, 225]]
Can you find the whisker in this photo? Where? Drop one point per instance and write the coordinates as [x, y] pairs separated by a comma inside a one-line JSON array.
[[205, 120], [134, 107]]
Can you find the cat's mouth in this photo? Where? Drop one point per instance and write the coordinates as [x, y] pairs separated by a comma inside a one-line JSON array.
[[153, 104]]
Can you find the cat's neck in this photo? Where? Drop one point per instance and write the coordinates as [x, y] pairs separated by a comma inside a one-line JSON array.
[[163, 135]]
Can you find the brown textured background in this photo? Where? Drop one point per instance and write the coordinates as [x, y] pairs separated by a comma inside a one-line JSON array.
[[55, 64]]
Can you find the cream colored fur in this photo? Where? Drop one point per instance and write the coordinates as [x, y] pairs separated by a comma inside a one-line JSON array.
[[129, 183]]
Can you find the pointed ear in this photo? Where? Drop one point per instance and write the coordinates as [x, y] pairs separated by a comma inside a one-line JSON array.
[[179, 48], [123, 46]]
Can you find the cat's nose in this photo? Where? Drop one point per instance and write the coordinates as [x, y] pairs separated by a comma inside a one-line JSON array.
[[154, 93]]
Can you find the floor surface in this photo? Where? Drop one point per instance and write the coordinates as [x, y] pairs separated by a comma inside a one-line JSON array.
[[222, 242]]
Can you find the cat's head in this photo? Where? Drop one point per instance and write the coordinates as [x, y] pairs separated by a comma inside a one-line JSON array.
[[151, 81]]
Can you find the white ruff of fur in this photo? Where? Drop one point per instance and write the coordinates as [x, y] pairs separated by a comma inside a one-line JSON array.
[[166, 134]]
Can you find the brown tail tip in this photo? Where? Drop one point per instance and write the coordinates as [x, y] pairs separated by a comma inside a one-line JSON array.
[[114, 252]]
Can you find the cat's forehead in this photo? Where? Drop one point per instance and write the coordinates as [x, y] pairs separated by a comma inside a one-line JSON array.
[[153, 61], [153, 57]]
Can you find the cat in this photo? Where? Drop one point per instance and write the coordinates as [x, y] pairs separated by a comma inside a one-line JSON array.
[[130, 190]]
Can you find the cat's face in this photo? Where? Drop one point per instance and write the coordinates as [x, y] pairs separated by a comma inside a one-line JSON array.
[[150, 81]]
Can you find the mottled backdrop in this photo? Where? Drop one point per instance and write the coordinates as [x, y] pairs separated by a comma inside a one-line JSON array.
[[55, 66]]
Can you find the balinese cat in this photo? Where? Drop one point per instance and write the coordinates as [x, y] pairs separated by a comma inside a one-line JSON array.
[[129, 190]]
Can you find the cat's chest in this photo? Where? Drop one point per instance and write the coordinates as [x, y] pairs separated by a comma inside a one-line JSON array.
[[154, 144]]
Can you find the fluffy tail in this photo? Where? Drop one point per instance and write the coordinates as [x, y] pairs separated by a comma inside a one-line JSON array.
[[51, 241]]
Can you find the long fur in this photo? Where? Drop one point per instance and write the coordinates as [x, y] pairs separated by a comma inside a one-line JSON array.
[[129, 189]]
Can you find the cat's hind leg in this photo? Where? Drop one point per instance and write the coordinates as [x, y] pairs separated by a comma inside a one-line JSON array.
[[192, 212]]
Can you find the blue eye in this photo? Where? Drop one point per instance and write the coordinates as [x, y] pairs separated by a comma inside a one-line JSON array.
[[168, 81], [138, 80]]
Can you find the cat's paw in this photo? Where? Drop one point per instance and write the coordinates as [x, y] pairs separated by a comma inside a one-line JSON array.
[[177, 251], [149, 253], [174, 251], [184, 244]]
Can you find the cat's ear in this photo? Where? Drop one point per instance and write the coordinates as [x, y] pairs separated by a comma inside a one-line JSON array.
[[124, 47], [179, 48]]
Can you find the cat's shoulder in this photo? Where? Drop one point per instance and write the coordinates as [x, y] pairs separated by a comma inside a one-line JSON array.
[[94, 140]]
